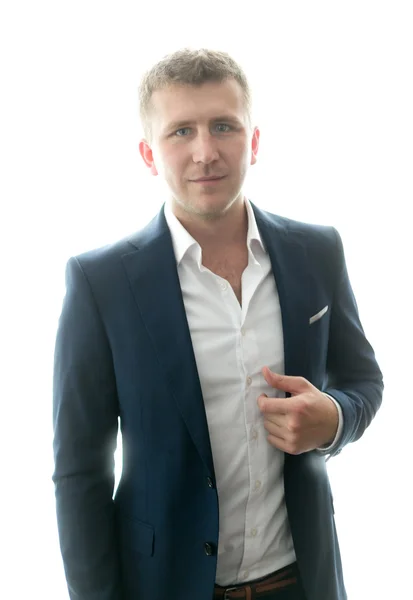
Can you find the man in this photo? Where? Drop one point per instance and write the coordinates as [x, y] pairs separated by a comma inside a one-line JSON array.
[[228, 342]]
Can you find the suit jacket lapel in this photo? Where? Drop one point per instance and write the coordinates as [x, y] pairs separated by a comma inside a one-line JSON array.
[[289, 262], [152, 271]]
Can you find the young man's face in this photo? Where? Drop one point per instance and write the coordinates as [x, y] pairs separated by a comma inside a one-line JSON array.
[[201, 132]]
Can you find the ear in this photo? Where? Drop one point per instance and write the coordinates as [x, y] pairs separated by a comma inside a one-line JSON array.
[[147, 155], [254, 145]]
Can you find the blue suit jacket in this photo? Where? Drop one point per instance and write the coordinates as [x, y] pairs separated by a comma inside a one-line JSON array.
[[124, 349]]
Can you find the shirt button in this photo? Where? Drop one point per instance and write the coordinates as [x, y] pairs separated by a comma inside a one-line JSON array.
[[223, 285], [209, 549], [257, 484], [210, 482], [253, 532], [254, 434], [242, 331], [249, 380], [246, 573]]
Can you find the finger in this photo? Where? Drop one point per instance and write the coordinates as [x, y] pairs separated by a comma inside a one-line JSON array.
[[281, 444], [275, 428], [276, 442], [280, 406]]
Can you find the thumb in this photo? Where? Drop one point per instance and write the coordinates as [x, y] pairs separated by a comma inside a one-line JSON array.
[[286, 383]]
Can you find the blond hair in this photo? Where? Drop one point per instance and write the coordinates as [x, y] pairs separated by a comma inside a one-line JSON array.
[[189, 67]]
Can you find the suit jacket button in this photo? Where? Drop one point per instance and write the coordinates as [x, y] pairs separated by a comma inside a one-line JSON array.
[[209, 549], [210, 482]]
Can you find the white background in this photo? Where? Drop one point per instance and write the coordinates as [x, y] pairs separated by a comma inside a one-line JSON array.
[[332, 84]]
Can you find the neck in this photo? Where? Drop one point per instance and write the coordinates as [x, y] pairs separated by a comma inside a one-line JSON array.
[[219, 231]]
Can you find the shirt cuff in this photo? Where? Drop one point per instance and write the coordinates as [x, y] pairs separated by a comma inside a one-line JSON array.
[[327, 449]]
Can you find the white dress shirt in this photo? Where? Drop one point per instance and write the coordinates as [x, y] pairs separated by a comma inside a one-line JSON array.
[[231, 345]]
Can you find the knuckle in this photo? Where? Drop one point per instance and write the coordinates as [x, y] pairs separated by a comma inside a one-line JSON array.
[[293, 448], [293, 427], [302, 406]]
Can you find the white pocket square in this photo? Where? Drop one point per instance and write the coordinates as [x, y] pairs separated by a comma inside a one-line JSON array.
[[318, 315]]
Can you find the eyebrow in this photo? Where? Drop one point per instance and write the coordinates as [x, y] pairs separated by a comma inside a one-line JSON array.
[[185, 123]]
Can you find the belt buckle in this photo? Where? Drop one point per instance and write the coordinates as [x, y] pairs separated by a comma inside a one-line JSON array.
[[230, 589]]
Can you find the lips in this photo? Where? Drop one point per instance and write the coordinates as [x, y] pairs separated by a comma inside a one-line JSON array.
[[208, 178]]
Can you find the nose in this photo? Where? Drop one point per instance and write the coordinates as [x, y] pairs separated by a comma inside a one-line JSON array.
[[205, 149]]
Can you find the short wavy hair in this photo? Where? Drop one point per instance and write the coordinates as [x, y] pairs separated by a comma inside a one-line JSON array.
[[189, 67]]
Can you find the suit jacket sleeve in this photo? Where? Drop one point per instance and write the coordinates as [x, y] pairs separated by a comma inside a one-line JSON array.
[[85, 420], [354, 378]]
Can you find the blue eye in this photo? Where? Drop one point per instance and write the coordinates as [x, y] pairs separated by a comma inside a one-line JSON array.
[[182, 129], [223, 125]]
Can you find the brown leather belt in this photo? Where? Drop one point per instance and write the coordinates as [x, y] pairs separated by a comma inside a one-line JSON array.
[[254, 589]]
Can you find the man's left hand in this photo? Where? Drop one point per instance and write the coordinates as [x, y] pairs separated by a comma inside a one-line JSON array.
[[307, 420]]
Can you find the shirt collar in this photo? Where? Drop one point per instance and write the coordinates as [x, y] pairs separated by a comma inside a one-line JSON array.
[[183, 241]]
